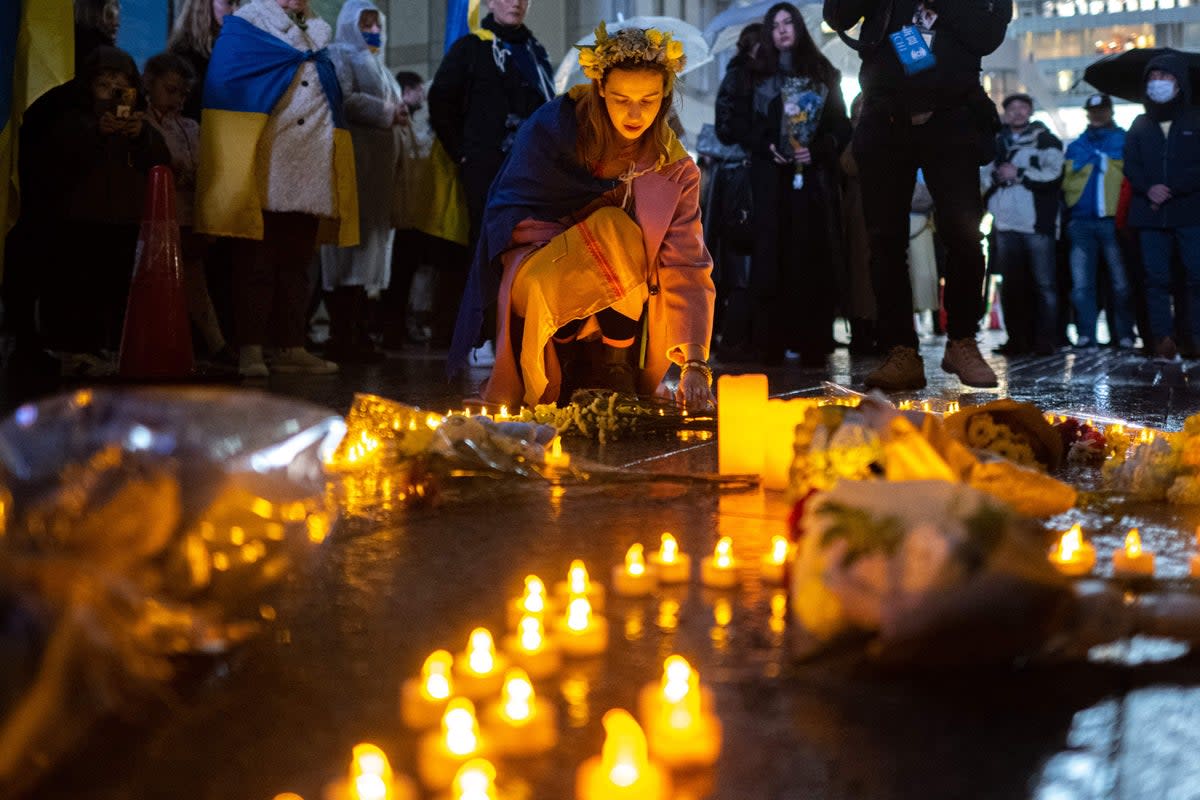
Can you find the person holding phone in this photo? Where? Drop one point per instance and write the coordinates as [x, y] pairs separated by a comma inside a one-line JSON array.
[[99, 153]]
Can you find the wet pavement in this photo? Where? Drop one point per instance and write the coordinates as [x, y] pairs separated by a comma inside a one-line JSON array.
[[282, 713]]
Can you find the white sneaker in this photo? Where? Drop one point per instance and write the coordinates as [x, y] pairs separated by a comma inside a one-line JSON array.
[[298, 361], [484, 355], [250, 362]]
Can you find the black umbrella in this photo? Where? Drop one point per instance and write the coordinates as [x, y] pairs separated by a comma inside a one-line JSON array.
[[1122, 74]]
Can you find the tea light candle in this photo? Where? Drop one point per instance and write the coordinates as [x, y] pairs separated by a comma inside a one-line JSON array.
[[423, 700], [529, 648], [718, 571], [555, 457], [580, 633], [1073, 555], [475, 780], [370, 778], [774, 562], [479, 671], [578, 584], [634, 578], [533, 601], [1133, 561], [521, 724], [669, 564], [681, 729], [741, 420], [623, 770], [441, 753]]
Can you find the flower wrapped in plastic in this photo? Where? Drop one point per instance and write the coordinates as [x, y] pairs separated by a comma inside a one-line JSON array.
[[1148, 471], [1016, 431], [141, 526], [939, 573]]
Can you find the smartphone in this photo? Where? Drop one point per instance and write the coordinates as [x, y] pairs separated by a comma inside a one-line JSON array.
[[125, 100]]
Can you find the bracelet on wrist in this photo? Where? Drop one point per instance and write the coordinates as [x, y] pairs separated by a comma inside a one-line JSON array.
[[699, 366]]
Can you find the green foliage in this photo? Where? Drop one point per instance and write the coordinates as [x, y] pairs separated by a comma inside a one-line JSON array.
[[863, 532]]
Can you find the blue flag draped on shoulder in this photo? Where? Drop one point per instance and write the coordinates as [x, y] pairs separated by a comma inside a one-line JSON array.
[[462, 17], [37, 53], [248, 75]]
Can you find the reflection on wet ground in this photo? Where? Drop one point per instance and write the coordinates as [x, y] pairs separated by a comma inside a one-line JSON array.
[[282, 714]]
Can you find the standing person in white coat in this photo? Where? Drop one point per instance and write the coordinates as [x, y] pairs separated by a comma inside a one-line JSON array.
[[276, 170], [374, 108]]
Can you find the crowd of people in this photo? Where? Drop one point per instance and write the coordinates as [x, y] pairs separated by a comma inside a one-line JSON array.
[[304, 178]]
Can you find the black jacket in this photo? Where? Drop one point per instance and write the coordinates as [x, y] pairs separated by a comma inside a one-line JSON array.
[[965, 32], [1173, 160], [471, 98]]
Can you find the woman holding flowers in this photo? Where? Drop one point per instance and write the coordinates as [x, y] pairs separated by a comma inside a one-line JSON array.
[[591, 241], [786, 109]]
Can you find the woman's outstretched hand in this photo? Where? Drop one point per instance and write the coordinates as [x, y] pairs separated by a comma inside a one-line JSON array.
[[693, 392]]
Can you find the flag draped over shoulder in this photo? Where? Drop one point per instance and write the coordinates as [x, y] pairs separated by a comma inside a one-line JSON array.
[[37, 53], [462, 17], [248, 75]]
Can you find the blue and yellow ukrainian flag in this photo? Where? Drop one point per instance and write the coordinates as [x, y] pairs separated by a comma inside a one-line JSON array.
[[462, 17], [37, 53], [249, 73]]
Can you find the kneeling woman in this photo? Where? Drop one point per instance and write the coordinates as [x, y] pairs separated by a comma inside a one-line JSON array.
[[593, 226]]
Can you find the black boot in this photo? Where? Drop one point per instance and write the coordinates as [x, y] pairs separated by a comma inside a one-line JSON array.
[[573, 365], [615, 370]]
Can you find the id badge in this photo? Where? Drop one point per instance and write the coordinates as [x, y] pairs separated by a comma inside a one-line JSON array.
[[914, 52]]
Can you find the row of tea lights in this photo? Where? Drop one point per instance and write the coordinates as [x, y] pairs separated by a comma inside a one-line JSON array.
[[1075, 556], [678, 726]]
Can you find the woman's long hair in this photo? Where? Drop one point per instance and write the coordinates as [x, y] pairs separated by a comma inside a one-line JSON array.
[[99, 15], [598, 138], [806, 57], [195, 28]]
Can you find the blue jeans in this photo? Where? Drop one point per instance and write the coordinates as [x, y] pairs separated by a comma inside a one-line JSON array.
[[1029, 293], [1158, 251], [1091, 238]]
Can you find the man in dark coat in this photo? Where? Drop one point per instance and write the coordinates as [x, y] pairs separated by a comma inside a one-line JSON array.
[[1162, 163], [924, 107], [490, 81]]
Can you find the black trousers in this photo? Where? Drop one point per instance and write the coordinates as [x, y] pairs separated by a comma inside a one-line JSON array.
[[889, 150]]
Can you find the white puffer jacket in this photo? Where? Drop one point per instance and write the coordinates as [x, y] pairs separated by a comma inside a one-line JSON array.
[[295, 153]]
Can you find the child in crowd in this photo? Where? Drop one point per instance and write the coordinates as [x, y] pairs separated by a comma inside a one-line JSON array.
[[168, 79], [98, 153]]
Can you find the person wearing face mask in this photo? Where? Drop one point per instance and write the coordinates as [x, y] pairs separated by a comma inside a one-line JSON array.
[[489, 82], [1162, 163], [276, 174], [375, 112]]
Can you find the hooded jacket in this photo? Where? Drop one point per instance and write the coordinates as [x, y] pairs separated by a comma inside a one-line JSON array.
[[1153, 157], [1030, 205], [1094, 172], [481, 83]]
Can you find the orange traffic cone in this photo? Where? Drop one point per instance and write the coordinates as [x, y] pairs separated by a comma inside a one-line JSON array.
[[156, 341]]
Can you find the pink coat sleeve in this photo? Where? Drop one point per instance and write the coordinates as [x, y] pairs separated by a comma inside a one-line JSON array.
[[685, 270]]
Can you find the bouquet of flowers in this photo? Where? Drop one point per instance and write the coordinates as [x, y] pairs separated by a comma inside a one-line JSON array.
[[141, 527], [940, 573], [803, 102], [1016, 431]]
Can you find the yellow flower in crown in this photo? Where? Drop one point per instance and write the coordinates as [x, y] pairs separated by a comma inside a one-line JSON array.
[[630, 45]]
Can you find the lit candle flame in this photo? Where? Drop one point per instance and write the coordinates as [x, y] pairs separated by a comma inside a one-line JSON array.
[[669, 550], [1070, 544], [433, 421], [435, 675], [460, 727], [370, 773], [623, 757], [532, 635], [1133, 543], [635, 561], [779, 549], [577, 578], [517, 696], [723, 554], [579, 615], [369, 787], [475, 780], [534, 600], [677, 678], [482, 656], [503, 412]]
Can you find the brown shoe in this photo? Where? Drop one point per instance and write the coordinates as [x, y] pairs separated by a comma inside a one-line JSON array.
[[1166, 349], [962, 358], [902, 370]]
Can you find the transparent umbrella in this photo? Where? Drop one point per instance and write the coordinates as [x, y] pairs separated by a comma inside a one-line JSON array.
[[694, 47]]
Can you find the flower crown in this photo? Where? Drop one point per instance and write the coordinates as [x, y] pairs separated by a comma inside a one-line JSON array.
[[630, 44]]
